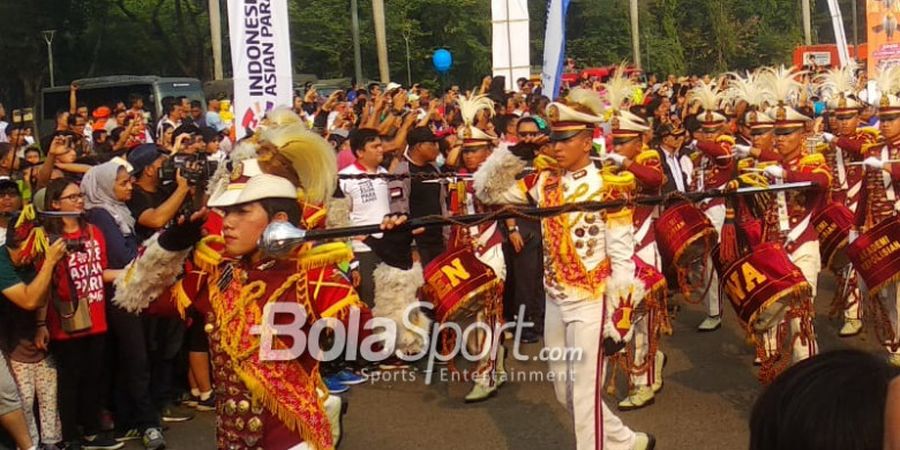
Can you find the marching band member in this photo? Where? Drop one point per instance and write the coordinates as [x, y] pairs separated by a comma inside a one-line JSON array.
[[791, 223], [716, 167], [630, 155], [878, 201], [846, 146], [272, 404], [487, 243], [589, 270]]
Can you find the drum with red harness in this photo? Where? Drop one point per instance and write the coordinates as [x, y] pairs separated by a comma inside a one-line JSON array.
[[833, 224], [761, 285], [684, 235], [459, 284], [876, 254]]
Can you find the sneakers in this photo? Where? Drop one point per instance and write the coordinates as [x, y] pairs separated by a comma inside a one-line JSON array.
[[851, 327], [639, 398], [189, 400], [644, 441], [153, 439], [132, 434], [206, 405], [334, 385], [480, 393], [349, 378], [710, 324], [393, 364], [658, 371], [97, 442], [170, 414]]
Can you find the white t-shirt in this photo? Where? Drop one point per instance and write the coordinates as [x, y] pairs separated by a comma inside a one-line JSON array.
[[369, 198]]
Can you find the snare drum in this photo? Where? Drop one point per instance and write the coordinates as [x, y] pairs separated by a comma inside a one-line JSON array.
[[459, 284], [762, 284], [875, 254], [683, 235], [833, 224]]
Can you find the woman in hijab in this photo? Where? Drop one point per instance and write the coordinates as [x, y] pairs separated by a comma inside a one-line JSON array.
[[106, 188]]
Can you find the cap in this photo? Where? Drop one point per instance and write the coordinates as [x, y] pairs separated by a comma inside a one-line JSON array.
[[209, 134], [668, 129], [259, 187], [627, 126], [102, 112], [143, 156], [8, 184], [241, 173], [188, 128], [391, 86], [566, 122], [756, 119], [421, 134], [787, 119]]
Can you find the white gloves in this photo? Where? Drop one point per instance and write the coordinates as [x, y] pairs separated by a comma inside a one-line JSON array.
[[774, 171], [616, 158], [829, 138], [873, 163], [741, 151]]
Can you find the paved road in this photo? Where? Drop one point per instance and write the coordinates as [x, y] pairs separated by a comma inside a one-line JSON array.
[[710, 387]]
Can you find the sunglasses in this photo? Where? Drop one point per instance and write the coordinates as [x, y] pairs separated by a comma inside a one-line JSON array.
[[623, 140], [786, 131], [760, 131]]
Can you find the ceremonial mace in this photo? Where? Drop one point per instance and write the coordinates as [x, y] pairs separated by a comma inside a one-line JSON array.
[[281, 238]]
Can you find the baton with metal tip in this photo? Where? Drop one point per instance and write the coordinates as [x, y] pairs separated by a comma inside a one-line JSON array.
[[280, 238]]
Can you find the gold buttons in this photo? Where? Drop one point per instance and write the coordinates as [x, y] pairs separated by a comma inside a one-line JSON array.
[[254, 424], [209, 328], [239, 424], [230, 407], [243, 406]]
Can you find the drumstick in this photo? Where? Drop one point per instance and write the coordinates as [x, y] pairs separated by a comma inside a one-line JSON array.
[[861, 163]]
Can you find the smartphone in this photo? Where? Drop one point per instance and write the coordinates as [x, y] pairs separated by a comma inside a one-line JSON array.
[[27, 114], [17, 116]]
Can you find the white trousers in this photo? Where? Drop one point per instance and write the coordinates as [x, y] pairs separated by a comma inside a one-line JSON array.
[[806, 257], [578, 384], [711, 300]]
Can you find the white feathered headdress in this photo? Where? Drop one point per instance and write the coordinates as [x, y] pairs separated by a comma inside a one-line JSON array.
[[836, 87], [469, 107], [710, 99], [784, 87], [749, 89], [888, 83]]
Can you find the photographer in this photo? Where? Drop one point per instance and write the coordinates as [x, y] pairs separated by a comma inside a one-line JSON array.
[[60, 162], [150, 205]]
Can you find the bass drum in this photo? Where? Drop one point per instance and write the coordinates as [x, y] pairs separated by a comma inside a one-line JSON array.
[[875, 254], [459, 284], [833, 224]]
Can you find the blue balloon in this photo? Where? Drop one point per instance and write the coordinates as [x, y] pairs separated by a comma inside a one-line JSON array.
[[442, 60]]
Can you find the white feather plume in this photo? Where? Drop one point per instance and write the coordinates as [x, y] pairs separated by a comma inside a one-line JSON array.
[[748, 89], [709, 96], [470, 105], [888, 80], [837, 81], [619, 88], [782, 82], [587, 98]]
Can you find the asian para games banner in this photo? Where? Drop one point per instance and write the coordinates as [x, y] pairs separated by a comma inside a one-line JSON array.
[[883, 43], [554, 47], [260, 58]]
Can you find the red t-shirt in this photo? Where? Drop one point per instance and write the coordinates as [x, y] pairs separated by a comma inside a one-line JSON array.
[[85, 269]]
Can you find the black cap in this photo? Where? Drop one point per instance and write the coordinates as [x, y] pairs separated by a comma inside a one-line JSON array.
[[419, 135], [188, 128], [142, 156], [209, 134], [8, 185]]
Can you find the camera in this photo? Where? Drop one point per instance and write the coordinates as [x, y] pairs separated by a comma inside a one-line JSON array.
[[75, 246], [196, 168]]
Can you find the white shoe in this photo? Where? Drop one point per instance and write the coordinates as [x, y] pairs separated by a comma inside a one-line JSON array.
[[894, 359], [710, 323], [644, 441], [658, 371], [637, 399], [851, 327]]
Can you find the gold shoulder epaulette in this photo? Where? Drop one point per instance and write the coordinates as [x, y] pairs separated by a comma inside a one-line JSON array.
[[726, 138], [324, 255], [208, 252], [871, 131], [544, 162], [615, 184], [814, 159], [646, 156]]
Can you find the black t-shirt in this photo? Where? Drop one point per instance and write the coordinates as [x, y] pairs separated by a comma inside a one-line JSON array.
[[141, 201], [425, 200], [18, 325]]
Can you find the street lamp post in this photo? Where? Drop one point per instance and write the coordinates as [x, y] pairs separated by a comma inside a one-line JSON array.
[[48, 38]]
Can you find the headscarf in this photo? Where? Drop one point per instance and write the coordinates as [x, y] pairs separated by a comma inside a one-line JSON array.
[[97, 185]]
